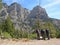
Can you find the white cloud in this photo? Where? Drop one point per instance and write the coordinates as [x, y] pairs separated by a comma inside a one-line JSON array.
[[54, 2], [55, 15]]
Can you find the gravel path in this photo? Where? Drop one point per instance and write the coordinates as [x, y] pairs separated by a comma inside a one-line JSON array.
[[30, 42]]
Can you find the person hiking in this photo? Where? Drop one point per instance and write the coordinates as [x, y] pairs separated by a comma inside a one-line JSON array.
[[48, 34], [43, 34], [38, 34]]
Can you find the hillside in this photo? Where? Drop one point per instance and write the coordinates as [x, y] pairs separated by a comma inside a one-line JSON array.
[[19, 14]]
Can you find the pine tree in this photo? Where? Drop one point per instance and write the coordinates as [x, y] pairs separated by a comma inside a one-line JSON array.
[[37, 24], [0, 4], [51, 27], [0, 29], [0, 0], [8, 26]]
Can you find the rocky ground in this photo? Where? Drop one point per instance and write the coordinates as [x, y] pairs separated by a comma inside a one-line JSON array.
[[29, 42]]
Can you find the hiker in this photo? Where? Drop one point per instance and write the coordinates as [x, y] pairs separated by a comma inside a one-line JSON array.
[[38, 34], [43, 34], [48, 34]]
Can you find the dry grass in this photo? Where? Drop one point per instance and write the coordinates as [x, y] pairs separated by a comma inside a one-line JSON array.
[[25, 39], [14, 39]]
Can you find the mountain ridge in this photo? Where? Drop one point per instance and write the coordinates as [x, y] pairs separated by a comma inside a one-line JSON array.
[[20, 13]]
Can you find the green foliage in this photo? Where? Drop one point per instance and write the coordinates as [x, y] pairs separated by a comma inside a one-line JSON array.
[[37, 25], [6, 35], [24, 35], [17, 34], [7, 26], [0, 0], [0, 5], [0, 31], [51, 27], [20, 34], [32, 36], [46, 25], [58, 34], [0, 28], [8, 30]]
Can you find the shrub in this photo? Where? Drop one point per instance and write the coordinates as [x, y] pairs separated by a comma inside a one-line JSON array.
[[17, 34], [24, 35], [58, 34], [32, 36], [6, 35]]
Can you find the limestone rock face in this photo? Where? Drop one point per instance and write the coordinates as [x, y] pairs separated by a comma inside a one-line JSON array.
[[40, 12], [20, 15]]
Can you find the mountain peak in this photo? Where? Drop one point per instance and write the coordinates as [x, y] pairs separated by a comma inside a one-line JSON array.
[[38, 10], [19, 13], [15, 3], [5, 5], [38, 6]]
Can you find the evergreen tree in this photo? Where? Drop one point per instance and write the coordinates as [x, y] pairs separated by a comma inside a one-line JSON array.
[[0, 4], [37, 25], [0, 29], [0, 0], [58, 34], [8, 26], [51, 27]]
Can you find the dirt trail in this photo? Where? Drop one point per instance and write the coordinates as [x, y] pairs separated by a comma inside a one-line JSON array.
[[30, 42]]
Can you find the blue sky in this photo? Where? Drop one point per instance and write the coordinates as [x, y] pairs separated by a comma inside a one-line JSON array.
[[52, 6]]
